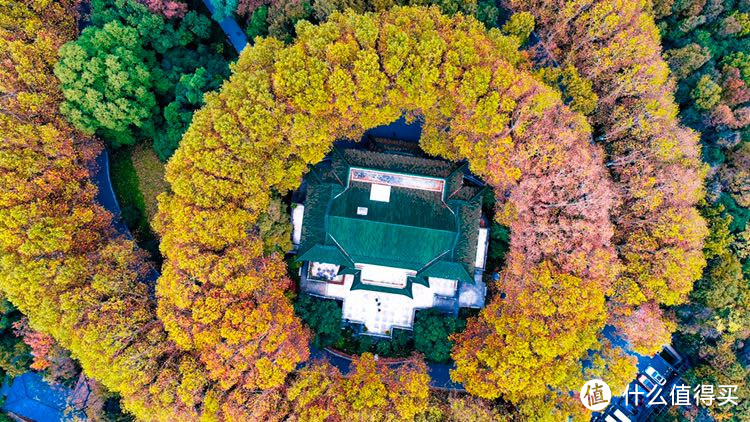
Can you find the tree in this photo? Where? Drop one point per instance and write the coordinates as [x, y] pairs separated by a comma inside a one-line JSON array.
[[614, 366], [741, 61], [257, 26], [322, 316], [653, 340], [372, 391], [59, 262], [178, 114], [324, 8], [706, 93], [224, 9], [168, 8], [686, 60], [248, 7], [488, 13], [736, 24], [506, 351], [555, 194], [431, 334], [520, 25], [222, 339], [654, 161], [499, 244], [106, 79], [706, 52], [15, 355], [712, 326], [736, 174], [175, 60], [471, 409], [576, 90], [47, 354], [313, 391], [284, 15]]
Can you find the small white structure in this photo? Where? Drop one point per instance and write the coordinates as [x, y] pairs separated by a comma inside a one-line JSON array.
[[298, 214], [378, 275], [483, 241]]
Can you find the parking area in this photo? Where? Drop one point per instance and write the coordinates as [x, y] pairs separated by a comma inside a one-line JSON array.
[[651, 392]]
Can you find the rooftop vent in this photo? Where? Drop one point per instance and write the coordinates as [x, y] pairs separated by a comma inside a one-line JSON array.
[[361, 210]]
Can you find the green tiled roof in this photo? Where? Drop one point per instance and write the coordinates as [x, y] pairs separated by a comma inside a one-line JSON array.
[[446, 269], [318, 197], [393, 245], [327, 254], [418, 280], [395, 162], [348, 270], [415, 229], [407, 207]]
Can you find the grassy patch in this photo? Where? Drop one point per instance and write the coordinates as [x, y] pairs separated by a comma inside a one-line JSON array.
[[126, 183], [150, 173]]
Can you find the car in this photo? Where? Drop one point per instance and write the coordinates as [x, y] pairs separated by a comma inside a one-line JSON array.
[[655, 375], [647, 384]]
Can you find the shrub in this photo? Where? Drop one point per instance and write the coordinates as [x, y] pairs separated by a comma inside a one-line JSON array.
[[322, 316], [432, 331]]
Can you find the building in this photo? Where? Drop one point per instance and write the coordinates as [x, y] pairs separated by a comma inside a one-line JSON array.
[[389, 233]]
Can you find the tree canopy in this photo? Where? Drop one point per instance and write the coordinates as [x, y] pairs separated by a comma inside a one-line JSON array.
[[655, 162], [284, 106], [432, 332], [106, 79], [135, 76], [222, 340]]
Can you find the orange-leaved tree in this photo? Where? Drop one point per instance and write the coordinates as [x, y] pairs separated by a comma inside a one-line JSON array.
[[654, 161], [61, 263], [371, 391]]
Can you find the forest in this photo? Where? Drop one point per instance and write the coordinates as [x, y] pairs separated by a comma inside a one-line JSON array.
[[614, 138]]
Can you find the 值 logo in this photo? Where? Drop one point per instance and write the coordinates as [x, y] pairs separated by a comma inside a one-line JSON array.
[[595, 395]]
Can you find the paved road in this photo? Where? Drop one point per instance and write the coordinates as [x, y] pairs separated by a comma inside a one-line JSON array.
[[231, 29], [105, 196]]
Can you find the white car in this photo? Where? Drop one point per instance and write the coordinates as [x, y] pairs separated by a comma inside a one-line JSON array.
[[646, 383], [655, 375]]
